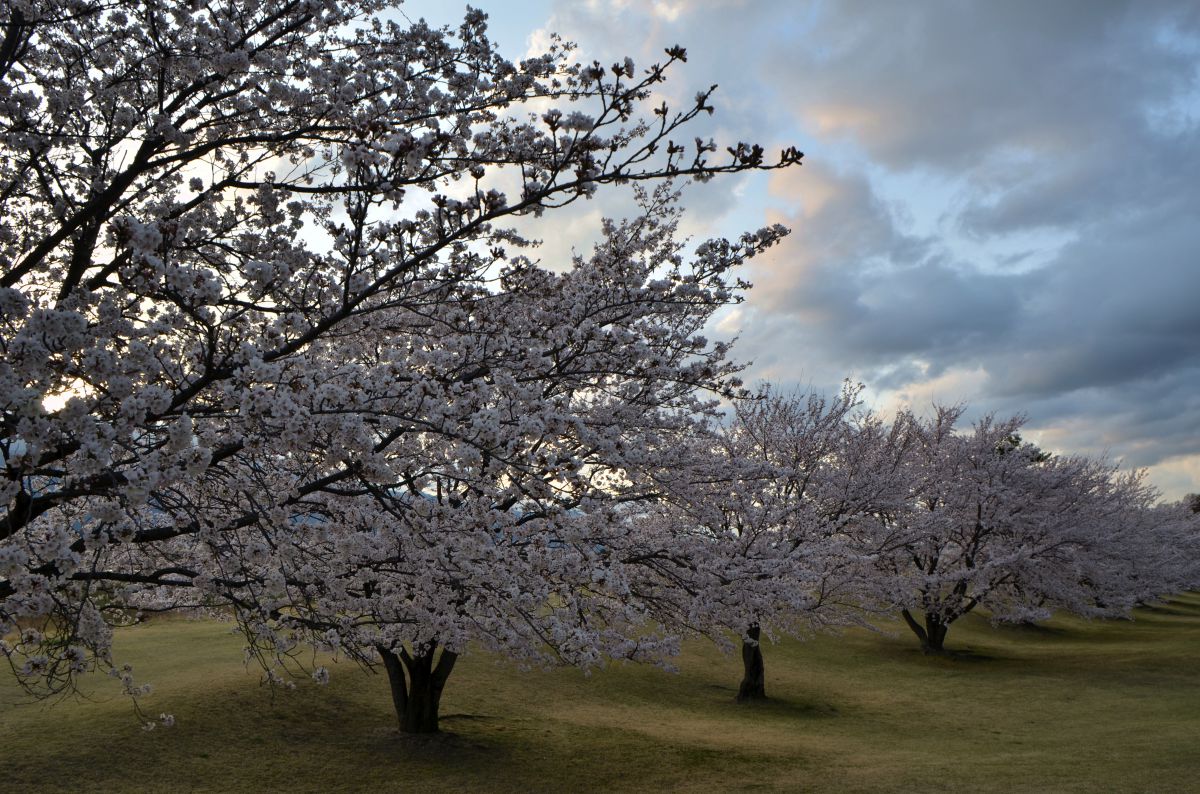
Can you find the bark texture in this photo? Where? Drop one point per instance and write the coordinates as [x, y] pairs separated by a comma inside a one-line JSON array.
[[754, 681], [932, 635], [417, 681]]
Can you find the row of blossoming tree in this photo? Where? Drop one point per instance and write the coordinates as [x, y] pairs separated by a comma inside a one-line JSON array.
[[833, 515], [273, 345]]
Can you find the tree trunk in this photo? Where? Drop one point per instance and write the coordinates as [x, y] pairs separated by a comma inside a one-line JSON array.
[[417, 684], [754, 678], [932, 635]]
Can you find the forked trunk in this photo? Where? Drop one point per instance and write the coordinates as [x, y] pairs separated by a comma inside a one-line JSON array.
[[754, 678], [932, 635], [417, 684]]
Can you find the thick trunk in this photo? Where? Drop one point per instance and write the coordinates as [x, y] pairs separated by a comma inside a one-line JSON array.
[[932, 635], [417, 684], [754, 680], [936, 631]]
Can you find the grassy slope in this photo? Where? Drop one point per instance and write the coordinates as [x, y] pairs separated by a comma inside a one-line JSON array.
[[1070, 706]]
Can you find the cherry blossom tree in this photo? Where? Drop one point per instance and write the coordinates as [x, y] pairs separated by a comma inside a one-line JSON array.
[[1151, 551], [269, 340], [994, 522], [765, 491], [497, 516]]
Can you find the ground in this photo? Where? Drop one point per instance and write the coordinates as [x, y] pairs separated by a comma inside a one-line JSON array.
[[1066, 706]]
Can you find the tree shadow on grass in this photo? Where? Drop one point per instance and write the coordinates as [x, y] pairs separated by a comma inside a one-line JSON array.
[[1038, 630], [788, 708], [1180, 609], [910, 654], [968, 655], [445, 717], [454, 745]]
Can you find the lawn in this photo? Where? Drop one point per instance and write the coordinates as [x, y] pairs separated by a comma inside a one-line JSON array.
[[1066, 706]]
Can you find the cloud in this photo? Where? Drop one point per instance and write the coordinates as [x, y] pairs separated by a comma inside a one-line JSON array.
[[936, 83], [998, 201], [855, 291], [1100, 347], [1044, 121], [1177, 475]]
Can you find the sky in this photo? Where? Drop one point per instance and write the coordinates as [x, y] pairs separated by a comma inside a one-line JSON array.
[[999, 206]]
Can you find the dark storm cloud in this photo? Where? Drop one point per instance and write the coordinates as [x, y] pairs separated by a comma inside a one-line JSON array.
[[1117, 306]]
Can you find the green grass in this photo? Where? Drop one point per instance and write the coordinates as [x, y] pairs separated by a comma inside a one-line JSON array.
[[1068, 706]]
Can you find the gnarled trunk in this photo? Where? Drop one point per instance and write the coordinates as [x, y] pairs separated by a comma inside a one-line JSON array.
[[753, 686], [932, 635], [417, 684]]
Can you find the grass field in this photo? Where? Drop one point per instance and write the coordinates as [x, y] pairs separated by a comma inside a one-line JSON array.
[[1067, 706]]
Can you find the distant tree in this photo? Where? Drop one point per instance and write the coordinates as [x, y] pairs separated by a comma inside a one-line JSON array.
[[758, 490], [267, 343], [1149, 551], [995, 522]]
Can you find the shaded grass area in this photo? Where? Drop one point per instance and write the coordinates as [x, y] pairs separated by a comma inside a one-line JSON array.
[[1064, 706]]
